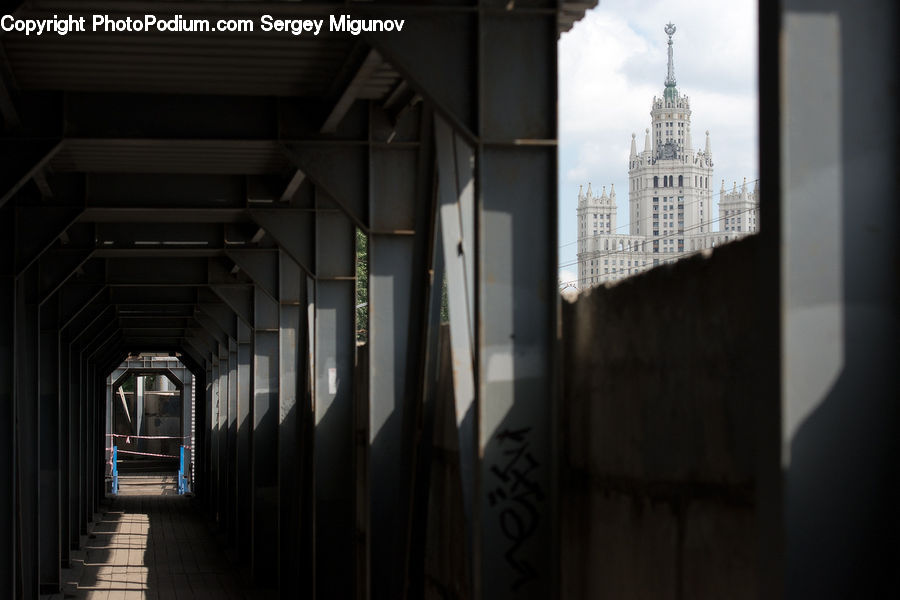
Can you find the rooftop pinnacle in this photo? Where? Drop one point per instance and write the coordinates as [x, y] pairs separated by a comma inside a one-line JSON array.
[[670, 92], [670, 72]]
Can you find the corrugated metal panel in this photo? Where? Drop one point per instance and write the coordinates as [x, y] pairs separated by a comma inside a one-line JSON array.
[[209, 64]]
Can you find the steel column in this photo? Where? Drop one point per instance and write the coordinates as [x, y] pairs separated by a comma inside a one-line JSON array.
[[215, 384], [243, 482], [292, 334], [50, 468], [400, 198], [27, 428], [456, 214], [65, 450], [224, 462], [517, 302], [230, 503], [264, 440], [335, 336], [8, 563]]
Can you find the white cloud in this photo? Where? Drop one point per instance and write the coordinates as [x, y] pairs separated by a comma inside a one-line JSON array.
[[613, 62]]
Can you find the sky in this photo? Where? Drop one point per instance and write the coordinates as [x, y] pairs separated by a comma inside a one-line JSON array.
[[612, 63]]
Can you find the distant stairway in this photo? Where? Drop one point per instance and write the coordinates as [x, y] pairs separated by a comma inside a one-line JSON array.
[[148, 484]]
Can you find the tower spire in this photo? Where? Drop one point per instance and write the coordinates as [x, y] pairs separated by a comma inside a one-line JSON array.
[[670, 91]]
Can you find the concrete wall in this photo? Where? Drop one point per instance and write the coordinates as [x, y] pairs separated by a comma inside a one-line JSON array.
[[657, 473]]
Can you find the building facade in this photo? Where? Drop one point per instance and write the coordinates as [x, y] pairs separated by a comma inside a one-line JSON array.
[[670, 197]]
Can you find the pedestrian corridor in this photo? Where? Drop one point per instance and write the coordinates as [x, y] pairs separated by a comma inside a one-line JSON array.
[[150, 544]]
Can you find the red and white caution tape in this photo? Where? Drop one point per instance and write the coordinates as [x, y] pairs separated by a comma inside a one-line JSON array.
[[148, 437], [146, 454]]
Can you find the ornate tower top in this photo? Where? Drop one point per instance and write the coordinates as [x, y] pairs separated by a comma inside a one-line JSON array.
[[670, 91]]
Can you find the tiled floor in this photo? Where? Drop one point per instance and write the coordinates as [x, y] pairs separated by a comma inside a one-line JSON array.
[[150, 547]]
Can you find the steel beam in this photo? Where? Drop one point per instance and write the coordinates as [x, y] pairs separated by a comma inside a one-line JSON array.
[[456, 214], [239, 299], [516, 300], [401, 212], [221, 436], [262, 267], [264, 441], [370, 64], [335, 514], [57, 265], [244, 483], [338, 171], [230, 489], [8, 554], [27, 433], [21, 160], [37, 228], [65, 468], [293, 230], [445, 79], [50, 430], [291, 326]]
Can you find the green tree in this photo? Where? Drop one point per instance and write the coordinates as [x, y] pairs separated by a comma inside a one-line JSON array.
[[362, 286]]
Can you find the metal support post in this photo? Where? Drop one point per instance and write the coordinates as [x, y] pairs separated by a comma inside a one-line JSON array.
[[292, 326], [517, 302], [242, 459], [335, 516], [509, 313], [8, 562], [400, 213], [27, 432], [263, 269], [215, 474], [264, 440], [65, 451], [208, 441], [230, 502], [223, 462], [456, 213], [50, 575]]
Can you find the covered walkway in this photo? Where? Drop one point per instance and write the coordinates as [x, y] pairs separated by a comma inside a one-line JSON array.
[[203, 197]]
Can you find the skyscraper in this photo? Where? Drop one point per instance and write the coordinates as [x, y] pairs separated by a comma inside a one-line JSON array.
[[670, 198]]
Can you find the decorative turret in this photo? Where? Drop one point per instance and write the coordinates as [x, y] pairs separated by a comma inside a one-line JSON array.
[[612, 191], [647, 140], [633, 154], [603, 195], [708, 146], [744, 189]]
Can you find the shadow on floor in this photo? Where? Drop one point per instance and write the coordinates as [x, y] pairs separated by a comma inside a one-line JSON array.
[[151, 544]]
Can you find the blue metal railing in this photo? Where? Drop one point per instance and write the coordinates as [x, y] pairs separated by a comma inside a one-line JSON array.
[[183, 485], [183, 473], [115, 470]]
